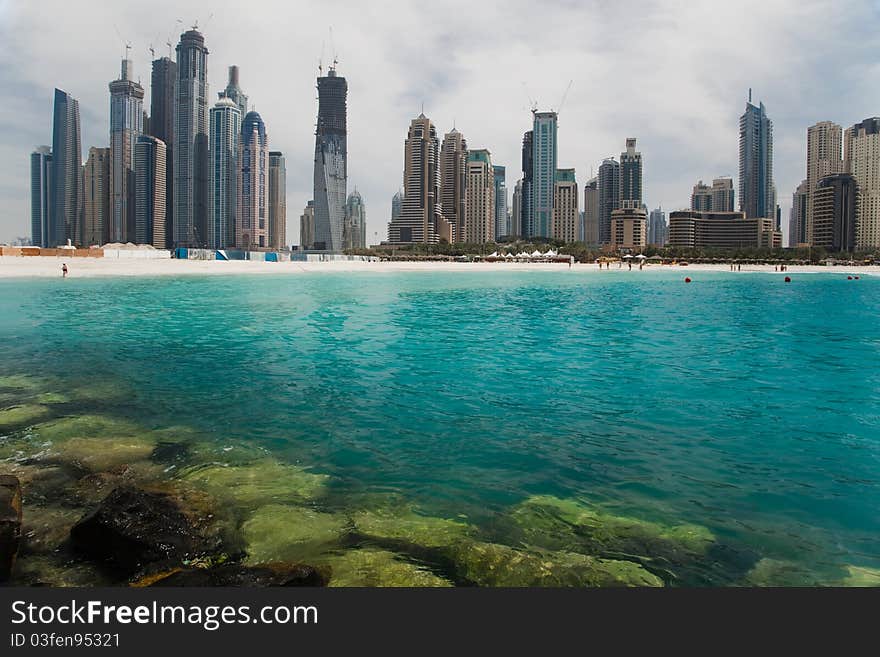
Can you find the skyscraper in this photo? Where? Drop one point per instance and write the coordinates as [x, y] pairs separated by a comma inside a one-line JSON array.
[[501, 223], [453, 181], [149, 161], [355, 221], [516, 210], [630, 177], [544, 166], [66, 203], [251, 219], [835, 203], [234, 93], [163, 79], [824, 158], [564, 226], [479, 213], [307, 226], [701, 198], [797, 222], [96, 197], [41, 195], [658, 231], [421, 220], [862, 155], [591, 212], [757, 192], [126, 124], [191, 142], [396, 206], [277, 201], [526, 226], [225, 135], [331, 162], [717, 198], [609, 197]]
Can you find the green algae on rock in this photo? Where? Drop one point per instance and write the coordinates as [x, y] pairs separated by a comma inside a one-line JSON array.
[[379, 568], [25, 415], [88, 426], [774, 573], [46, 528], [406, 526], [101, 454], [57, 570], [491, 564], [281, 533], [259, 483], [557, 524], [860, 576]]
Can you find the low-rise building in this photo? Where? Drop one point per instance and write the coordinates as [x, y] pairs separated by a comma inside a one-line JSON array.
[[690, 229]]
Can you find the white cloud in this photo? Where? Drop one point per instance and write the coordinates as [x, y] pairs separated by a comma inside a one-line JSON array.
[[674, 74]]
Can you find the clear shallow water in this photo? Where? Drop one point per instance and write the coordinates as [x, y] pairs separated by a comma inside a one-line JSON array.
[[737, 402]]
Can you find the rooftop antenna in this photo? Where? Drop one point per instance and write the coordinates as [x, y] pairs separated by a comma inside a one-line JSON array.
[[750, 95]]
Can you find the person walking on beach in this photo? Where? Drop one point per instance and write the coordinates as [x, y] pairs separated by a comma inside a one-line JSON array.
[[64, 270]]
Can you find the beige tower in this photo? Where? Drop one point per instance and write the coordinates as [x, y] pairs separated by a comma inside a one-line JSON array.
[[564, 225], [862, 160], [307, 226], [453, 181], [96, 199], [479, 213], [824, 143]]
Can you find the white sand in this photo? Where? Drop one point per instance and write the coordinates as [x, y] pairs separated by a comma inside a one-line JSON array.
[[24, 267]]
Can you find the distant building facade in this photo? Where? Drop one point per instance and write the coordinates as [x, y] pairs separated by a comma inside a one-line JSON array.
[[717, 198], [66, 203], [331, 161], [591, 212], [225, 135], [690, 229], [355, 221], [126, 125], [502, 228], [824, 158], [835, 205], [149, 161], [307, 226], [862, 160], [421, 220], [564, 226], [41, 195], [544, 171], [609, 197], [161, 126], [526, 226], [277, 201], [453, 181], [629, 229], [757, 191], [479, 213], [658, 230], [190, 149], [96, 197], [252, 215], [797, 223], [630, 177]]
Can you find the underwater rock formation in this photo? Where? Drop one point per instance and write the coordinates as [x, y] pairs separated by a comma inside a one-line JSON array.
[[10, 523], [379, 568], [281, 533]]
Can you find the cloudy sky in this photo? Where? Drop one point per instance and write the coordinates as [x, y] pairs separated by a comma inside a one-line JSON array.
[[673, 73]]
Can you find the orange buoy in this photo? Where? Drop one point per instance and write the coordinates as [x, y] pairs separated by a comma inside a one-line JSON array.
[[687, 279], [788, 279]]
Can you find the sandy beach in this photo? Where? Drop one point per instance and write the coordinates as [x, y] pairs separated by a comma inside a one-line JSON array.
[[48, 267]]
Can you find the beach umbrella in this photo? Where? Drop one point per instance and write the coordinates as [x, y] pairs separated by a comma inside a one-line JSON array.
[[627, 256], [642, 257]]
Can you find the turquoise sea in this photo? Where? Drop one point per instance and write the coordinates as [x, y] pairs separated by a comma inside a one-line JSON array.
[[738, 403]]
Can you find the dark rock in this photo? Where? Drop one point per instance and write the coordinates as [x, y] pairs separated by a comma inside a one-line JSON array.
[[132, 528], [236, 575], [170, 452], [10, 523]]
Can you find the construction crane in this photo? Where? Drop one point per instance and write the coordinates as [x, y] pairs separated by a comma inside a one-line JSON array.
[[533, 104], [564, 96]]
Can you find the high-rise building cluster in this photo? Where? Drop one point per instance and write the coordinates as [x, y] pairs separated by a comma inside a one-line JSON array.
[[187, 174]]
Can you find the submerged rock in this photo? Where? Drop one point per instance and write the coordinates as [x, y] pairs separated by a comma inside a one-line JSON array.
[[379, 568], [52, 398], [775, 573], [132, 528], [10, 524], [101, 454], [87, 426], [24, 415], [57, 570], [239, 576], [403, 525], [280, 533], [558, 524], [861, 576], [46, 528], [490, 564], [256, 484], [40, 483], [23, 383]]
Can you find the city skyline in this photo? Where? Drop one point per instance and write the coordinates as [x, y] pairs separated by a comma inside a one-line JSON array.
[[385, 92]]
